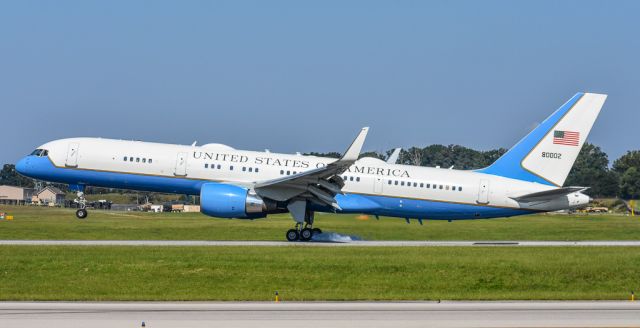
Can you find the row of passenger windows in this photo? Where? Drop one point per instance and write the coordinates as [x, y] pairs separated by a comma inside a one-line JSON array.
[[137, 159], [410, 184], [219, 167], [424, 185], [288, 172]]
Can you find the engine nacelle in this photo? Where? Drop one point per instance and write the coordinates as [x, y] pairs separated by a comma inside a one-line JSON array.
[[229, 201]]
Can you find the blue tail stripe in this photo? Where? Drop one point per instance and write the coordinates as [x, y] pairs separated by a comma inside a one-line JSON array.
[[509, 165]]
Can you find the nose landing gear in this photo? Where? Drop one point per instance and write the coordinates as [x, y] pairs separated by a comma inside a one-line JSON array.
[[81, 213]]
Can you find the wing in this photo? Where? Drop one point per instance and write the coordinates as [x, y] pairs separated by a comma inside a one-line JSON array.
[[318, 185]]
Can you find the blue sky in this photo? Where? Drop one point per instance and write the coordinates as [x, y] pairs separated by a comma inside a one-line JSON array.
[[306, 75]]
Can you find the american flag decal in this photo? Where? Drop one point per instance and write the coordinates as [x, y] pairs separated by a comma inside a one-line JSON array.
[[567, 138]]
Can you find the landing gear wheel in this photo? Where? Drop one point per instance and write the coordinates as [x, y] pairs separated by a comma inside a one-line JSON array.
[[317, 231], [306, 234], [293, 235], [82, 213]]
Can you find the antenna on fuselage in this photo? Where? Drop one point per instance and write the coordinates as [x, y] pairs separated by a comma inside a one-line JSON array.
[[194, 143]]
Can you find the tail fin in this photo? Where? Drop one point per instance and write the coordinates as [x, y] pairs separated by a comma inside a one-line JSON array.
[[547, 153]]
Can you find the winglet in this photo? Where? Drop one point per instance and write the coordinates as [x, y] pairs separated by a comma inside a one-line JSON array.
[[394, 156], [352, 153]]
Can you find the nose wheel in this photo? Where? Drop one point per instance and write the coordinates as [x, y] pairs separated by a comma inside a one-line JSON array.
[[82, 213]]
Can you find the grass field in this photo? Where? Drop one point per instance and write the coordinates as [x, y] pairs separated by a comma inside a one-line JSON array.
[[55, 223], [102, 273], [246, 273]]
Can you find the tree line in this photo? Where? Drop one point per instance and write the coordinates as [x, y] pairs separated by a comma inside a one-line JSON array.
[[591, 169]]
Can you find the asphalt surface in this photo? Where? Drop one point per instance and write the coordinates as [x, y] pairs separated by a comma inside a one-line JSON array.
[[321, 314], [495, 243]]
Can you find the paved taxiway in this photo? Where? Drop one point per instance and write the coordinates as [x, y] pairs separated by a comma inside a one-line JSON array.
[[495, 243], [321, 314]]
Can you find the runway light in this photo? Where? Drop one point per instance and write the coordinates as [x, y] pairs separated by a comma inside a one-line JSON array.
[[277, 299]]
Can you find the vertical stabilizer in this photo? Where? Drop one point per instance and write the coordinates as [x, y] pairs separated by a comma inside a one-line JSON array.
[[547, 153]]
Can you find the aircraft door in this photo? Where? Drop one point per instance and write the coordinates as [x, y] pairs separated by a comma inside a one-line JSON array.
[[181, 165], [72, 155], [483, 192], [377, 185]]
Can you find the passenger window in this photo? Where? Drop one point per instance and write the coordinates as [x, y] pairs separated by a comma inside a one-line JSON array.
[[231, 168], [256, 170], [389, 181], [428, 185], [350, 178], [358, 179], [150, 160], [130, 159], [125, 158], [396, 182], [250, 169], [219, 166], [415, 184], [281, 172], [447, 187], [244, 169], [206, 166], [421, 185], [440, 186], [294, 172], [435, 186], [288, 172], [459, 188], [402, 183], [144, 160]]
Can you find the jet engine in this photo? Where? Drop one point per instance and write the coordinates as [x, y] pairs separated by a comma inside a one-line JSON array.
[[229, 201]]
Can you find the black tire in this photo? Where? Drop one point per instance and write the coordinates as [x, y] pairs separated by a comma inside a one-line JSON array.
[[293, 235], [82, 214], [317, 231], [306, 234]]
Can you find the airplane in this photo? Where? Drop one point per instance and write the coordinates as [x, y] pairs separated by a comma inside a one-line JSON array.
[[241, 184]]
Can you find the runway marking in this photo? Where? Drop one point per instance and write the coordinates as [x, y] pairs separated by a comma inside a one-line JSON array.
[[220, 243]]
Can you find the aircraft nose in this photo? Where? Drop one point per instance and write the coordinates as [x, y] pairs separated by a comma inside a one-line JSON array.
[[22, 166]]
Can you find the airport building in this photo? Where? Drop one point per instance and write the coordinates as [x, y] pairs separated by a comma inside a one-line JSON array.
[[15, 195], [51, 195]]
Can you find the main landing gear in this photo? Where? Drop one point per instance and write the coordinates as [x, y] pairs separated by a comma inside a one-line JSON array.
[[81, 213], [304, 218], [304, 234]]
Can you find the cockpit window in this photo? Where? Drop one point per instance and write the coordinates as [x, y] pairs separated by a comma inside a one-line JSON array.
[[40, 152]]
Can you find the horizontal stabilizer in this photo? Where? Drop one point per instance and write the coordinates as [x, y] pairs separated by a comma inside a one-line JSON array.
[[547, 194]]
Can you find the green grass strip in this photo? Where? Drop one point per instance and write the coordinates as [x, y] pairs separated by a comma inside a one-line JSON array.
[[70, 273]]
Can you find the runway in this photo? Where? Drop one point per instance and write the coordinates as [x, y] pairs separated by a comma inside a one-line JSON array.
[[213, 243], [321, 314]]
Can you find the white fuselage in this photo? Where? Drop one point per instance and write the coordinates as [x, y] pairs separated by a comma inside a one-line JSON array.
[[128, 162]]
